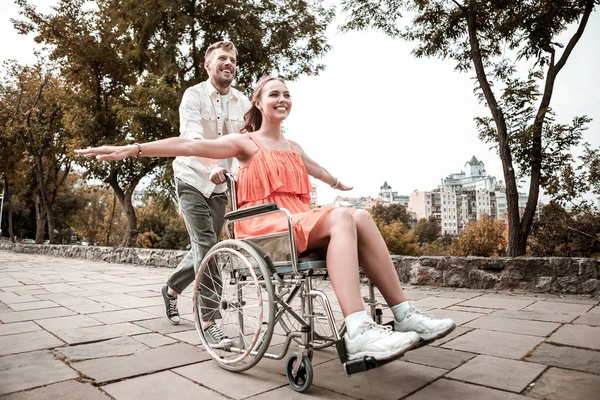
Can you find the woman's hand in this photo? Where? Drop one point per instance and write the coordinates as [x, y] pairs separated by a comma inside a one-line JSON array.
[[110, 152], [341, 186]]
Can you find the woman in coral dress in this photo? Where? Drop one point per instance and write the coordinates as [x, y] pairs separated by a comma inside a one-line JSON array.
[[275, 170]]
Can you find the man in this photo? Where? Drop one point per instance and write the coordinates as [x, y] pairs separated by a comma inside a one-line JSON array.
[[208, 110]]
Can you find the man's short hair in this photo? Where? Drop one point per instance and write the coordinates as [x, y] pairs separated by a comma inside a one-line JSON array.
[[223, 44]]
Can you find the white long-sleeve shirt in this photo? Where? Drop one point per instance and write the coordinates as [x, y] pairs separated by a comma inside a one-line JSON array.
[[205, 114]]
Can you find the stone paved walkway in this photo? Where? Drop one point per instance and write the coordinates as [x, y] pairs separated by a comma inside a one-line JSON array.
[[78, 329]]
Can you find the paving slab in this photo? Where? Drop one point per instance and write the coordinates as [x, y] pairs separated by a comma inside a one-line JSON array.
[[588, 319], [100, 332], [94, 307], [67, 390], [24, 342], [595, 310], [523, 327], [558, 308], [497, 303], [33, 305], [231, 384], [391, 381], [30, 315], [32, 370], [159, 386], [458, 331], [578, 336], [566, 357], [120, 346], [445, 389], [500, 344], [459, 317], [560, 384], [288, 394], [115, 317], [486, 371], [71, 322], [153, 339], [470, 309], [162, 325], [461, 295], [192, 337], [141, 362], [436, 302], [534, 316], [18, 327], [437, 357], [13, 298]]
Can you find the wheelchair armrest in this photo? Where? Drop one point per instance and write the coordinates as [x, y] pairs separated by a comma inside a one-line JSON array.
[[251, 211]]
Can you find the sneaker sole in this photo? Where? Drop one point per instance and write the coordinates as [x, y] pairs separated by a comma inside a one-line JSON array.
[[219, 346], [380, 356], [437, 335]]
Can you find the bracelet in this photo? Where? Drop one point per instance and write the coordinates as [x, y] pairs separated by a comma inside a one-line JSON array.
[[139, 149], [335, 185]]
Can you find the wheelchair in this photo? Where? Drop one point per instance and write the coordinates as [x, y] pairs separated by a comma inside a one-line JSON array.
[[259, 283]]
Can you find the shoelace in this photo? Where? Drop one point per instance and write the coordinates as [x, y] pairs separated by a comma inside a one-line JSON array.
[[173, 306], [366, 325], [215, 332], [415, 310]]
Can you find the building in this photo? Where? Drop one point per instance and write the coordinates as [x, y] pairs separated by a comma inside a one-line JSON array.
[[391, 197], [313, 194], [463, 197]]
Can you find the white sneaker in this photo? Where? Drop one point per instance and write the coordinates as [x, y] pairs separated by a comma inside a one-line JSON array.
[[378, 341], [425, 325]]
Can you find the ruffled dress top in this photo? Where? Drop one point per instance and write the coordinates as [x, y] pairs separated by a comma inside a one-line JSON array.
[[277, 176]]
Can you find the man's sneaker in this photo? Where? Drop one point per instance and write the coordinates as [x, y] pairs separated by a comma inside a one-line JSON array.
[[378, 341], [427, 327], [170, 305], [216, 338]]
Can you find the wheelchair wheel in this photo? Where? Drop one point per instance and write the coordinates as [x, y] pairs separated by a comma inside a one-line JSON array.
[[323, 336], [302, 380], [233, 287]]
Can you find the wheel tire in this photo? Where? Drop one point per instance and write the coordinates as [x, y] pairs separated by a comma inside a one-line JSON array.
[[302, 381], [239, 267]]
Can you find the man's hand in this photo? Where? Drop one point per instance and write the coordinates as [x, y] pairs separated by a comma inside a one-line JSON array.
[[217, 175]]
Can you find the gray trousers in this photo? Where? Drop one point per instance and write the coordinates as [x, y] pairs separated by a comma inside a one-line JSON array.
[[204, 218]]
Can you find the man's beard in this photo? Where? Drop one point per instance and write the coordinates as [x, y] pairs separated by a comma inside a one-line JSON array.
[[222, 81]]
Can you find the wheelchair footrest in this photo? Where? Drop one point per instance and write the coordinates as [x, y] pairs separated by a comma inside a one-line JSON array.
[[359, 365]]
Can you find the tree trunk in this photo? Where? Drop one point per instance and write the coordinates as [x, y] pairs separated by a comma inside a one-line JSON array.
[[131, 234], [40, 221], [516, 246], [112, 216]]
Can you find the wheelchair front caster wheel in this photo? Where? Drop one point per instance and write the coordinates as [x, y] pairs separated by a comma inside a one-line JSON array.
[[302, 380]]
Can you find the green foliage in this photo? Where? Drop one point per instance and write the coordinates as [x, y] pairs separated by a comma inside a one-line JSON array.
[[483, 238], [398, 239], [427, 230], [559, 233], [390, 213]]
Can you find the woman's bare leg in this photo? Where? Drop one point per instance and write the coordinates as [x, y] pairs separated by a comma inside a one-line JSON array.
[[375, 259], [336, 231]]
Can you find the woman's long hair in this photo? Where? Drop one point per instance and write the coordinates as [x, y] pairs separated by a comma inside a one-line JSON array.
[[253, 117]]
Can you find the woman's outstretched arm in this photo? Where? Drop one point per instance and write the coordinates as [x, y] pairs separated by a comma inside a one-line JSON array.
[[315, 170], [226, 147]]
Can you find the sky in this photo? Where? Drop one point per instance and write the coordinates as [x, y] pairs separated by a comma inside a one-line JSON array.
[[377, 113]]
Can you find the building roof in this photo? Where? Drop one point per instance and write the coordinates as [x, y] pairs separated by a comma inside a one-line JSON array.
[[474, 161]]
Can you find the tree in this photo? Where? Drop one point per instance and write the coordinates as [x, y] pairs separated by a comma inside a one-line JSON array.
[[128, 67], [483, 238], [36, 122], [398, 239], [427, 230], [475, 34], [390, 213], [560, 233]]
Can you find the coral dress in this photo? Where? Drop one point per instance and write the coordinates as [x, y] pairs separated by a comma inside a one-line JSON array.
[[277, 176]]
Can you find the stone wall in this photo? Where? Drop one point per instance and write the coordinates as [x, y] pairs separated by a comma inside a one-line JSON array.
[[128, 255], [548, 275]]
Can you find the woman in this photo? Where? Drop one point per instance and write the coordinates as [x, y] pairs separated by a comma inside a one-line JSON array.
[[273, 169]]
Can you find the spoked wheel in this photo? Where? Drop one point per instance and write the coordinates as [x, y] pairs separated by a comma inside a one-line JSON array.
[[233, 287], [323, 336], [301, 380]]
